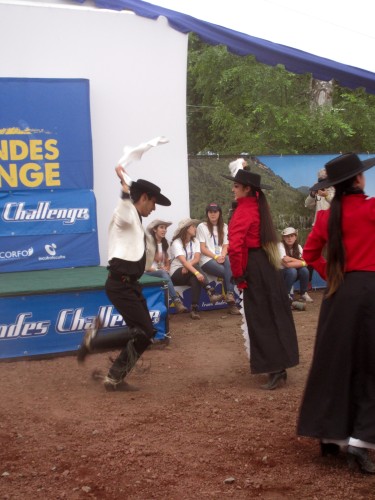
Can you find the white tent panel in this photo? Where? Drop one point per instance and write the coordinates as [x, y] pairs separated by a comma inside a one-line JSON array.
[[137, 73], [338, 30]]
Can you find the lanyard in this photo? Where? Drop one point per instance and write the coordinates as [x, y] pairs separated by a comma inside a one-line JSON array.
[[217, 247], [191, 251]]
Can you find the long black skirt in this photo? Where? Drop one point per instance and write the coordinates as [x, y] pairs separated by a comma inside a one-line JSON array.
[[272, 334], [339, 398]]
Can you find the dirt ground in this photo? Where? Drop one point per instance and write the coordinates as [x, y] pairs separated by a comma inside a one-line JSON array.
[[199, 426]]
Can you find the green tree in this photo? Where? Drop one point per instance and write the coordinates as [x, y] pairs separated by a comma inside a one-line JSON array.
[[236, 104]]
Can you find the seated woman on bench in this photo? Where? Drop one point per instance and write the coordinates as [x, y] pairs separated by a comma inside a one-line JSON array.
[[185, 269], [162, 261], [293, 266], [213, 238]]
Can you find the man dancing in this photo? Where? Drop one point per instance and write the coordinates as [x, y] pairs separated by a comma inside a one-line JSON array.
[[126, 264]]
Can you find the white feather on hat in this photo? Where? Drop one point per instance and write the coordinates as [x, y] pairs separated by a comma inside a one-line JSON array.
[[236, 165]]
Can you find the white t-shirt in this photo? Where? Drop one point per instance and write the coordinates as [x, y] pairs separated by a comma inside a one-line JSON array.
[[283, 253], [160, 259], [212, 242], [188, 251]]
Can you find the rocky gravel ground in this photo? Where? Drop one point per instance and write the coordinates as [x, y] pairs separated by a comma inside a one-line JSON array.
[[196, 425]]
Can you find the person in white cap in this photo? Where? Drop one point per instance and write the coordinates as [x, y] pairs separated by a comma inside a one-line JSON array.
[[294, 267], [185, 269], [320, 199], [162, 261]]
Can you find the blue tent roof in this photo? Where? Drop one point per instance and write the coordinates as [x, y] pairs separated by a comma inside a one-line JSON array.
[[266, 52]]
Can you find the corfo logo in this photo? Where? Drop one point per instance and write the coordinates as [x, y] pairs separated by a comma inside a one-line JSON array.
[[51, 249], [16, 254]]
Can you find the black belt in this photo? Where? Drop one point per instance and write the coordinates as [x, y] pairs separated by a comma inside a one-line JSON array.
[[122, 277]]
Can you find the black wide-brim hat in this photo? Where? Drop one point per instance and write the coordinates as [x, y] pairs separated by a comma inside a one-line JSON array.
[[341, 168], [247, 178], [152, 190]]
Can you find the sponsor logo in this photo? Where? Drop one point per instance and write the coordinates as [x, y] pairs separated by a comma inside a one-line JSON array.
[[16, 254], [208, 304], [22, 328], [68, 321], [155, 316], [74, 320], [52, 253], [51, 249], [16, 212]]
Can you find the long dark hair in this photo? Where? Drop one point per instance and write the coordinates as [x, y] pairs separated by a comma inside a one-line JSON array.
[[164, 242], [182, 235], [335, 248], [220, 228], [294, 250], [268, 235]]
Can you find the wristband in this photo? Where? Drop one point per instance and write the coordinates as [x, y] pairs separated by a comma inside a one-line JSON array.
[[304, 263], [196, 273], [216, 257]]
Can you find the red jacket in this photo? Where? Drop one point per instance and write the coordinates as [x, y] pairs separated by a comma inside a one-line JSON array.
[[358, 230], [243, 233]]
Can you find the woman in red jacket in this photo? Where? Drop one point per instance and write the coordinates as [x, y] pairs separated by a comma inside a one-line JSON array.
[[338, 406], [255, 264]]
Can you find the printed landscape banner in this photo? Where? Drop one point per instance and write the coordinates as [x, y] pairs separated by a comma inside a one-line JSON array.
[[47, 206]]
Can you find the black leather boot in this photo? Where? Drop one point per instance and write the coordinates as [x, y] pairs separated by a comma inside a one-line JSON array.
[[358, 457], [275, 380], [327, 449]]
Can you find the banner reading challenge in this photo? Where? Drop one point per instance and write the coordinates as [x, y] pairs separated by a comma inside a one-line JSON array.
[[46, 174]]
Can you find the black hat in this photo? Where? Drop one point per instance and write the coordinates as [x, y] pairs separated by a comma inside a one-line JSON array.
[[247, 178], [213, 207], [342, 168], [153, 190]]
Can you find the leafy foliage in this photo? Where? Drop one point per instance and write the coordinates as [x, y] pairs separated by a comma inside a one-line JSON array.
[[236, 104]]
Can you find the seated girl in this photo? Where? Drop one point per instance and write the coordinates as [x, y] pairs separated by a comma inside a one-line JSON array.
[[213, 237], [293, 266], [185, 269], [161, 264]]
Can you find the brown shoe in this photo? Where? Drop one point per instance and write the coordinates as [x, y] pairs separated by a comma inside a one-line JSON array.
[[233, 309], [89, 335], [179, 307], [213, 296], [194, 313]]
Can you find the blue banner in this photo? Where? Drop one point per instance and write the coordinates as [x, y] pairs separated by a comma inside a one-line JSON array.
[[55, 323], [47, 212], [45, 134], [47, 206], [53, 251]]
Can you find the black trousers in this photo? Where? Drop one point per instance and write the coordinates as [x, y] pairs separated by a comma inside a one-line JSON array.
[[189, 279], [130, 303]]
